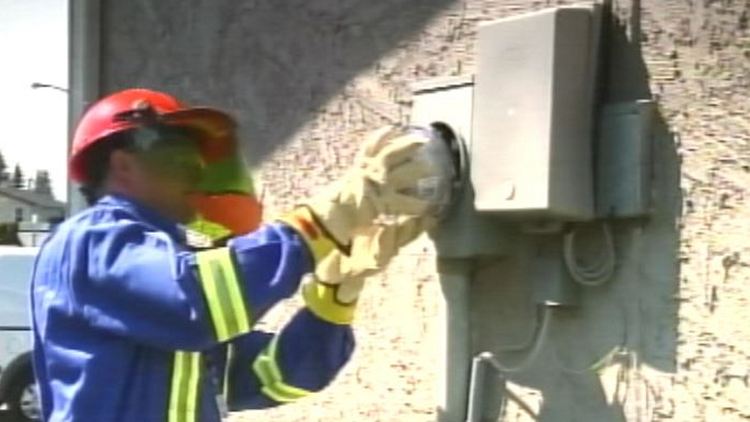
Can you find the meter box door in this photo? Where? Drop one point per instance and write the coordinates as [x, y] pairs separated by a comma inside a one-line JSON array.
[[533, 106]]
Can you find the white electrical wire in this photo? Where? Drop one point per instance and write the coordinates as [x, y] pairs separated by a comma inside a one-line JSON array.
[[595, 366], [532, 355], [598, 273]]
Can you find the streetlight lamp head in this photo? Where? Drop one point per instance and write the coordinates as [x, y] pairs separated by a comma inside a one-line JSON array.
[[37, 85]]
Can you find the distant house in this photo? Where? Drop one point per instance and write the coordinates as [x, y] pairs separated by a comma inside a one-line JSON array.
[[18, 205]]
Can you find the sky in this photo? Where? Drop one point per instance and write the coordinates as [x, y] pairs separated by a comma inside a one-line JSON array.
[[34, 48]]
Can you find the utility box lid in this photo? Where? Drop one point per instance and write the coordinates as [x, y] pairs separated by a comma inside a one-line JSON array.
[[533, 106]]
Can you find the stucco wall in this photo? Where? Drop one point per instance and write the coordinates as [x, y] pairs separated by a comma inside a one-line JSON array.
[[307, 78]]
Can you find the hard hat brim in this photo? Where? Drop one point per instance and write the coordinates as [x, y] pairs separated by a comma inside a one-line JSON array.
[[217, 129]]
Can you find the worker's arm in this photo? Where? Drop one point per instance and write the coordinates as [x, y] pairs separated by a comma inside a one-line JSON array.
[[265, 370], [133, 281], [139, 284], [262, 370]]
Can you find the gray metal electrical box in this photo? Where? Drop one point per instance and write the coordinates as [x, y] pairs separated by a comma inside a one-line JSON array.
[[533, 106], [623, 162], [463, 233]]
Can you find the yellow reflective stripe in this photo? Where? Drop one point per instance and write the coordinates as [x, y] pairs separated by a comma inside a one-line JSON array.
[[223, 294], [320, 299], [209, 228], [183, 396], [269, 373], [227, 368], [286, 389], [192, 402]]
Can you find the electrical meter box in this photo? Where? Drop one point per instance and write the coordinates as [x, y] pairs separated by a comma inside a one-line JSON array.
[[533, 103], [463, 233]]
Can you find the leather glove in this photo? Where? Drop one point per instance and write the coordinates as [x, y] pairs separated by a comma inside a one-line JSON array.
[[380, 182], [372, 249], [333, 292]]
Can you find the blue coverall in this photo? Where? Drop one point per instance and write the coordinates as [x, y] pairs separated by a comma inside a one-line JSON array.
[[130, 325]]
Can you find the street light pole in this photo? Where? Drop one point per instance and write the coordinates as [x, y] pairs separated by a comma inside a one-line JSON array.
[[37, 85]]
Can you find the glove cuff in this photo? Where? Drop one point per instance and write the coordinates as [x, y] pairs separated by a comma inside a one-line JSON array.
[[318, 241], [321, 300]]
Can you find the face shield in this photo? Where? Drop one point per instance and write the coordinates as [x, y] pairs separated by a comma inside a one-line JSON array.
[[222, 189], [225, 199], [170, 153]]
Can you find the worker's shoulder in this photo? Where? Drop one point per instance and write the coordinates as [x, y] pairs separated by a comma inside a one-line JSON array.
[[94, 219]]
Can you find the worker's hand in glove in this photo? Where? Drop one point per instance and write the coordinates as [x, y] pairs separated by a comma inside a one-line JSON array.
[[381, 182], [333, 291], [372, 249]]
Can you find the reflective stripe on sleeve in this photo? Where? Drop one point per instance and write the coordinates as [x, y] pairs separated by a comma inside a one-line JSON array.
[[221, 288], [269, 373]]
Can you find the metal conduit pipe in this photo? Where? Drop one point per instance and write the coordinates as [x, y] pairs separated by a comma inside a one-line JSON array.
[[84, 23], [455, 277]]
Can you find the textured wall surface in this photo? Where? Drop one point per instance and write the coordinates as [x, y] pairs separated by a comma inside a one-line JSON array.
[[671, 334]]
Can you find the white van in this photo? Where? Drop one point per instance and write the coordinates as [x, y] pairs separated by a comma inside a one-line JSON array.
[[18, 394]]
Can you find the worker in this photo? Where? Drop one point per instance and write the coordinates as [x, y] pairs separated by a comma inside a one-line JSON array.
[[134, 322]]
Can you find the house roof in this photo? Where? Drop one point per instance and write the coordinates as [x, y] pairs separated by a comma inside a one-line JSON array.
[[31, 198]]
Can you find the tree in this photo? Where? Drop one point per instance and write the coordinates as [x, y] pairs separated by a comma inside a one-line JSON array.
[[9, 234], [3, 170], [42, 183], [18, 181]]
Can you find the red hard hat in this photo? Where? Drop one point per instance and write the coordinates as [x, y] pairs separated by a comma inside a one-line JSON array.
[[102, 120]]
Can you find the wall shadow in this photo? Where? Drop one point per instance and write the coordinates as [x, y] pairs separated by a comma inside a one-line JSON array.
[[271, 63]]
